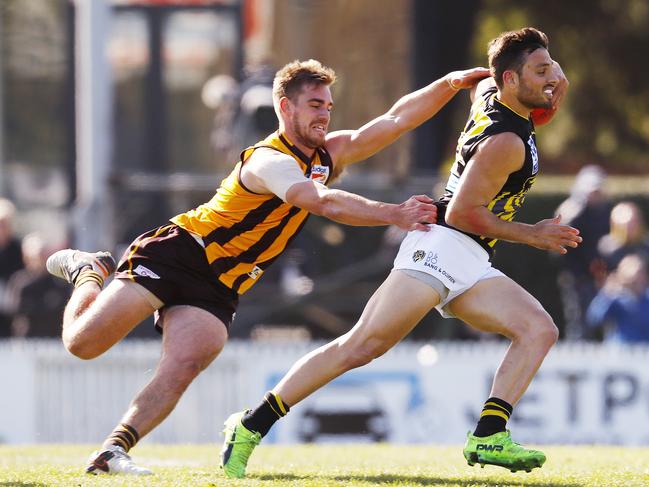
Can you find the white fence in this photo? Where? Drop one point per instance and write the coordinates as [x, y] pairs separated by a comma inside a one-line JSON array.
[[415, 393]]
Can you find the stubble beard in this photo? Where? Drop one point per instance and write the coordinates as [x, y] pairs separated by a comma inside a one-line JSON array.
[[528, 99], [304, 138]]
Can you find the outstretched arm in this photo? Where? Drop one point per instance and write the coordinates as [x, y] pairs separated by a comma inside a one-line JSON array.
[[269, 171], [410, 111], [352, 209]]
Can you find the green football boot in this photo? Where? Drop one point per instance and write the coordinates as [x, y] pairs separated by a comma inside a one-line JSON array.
[[499, 449], [237, 446]]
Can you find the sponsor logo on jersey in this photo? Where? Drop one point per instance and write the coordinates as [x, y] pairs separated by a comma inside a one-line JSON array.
[[255, 272], [319, 173], [453, 182], [535, 155], [140, 270]]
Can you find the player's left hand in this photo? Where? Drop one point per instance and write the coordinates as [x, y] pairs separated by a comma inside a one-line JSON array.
[[467, 78], [542, 116], [562, 86]]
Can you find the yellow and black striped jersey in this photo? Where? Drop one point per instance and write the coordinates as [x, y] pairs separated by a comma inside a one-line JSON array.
[[489, 116], [244, 232]]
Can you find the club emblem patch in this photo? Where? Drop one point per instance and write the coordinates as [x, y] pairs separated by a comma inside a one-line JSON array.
[[418, 255]]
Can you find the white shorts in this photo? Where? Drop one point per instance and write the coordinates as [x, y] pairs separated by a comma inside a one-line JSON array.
[[452, 257]]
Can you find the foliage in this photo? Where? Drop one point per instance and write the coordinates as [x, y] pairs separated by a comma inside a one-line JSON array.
[[599, 44]]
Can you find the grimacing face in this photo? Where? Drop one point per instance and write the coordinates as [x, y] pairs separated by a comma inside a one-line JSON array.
[[537, 80], [309, 115]]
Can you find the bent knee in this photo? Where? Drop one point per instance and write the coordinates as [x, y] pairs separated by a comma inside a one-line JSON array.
[[550, 333], [184, 370], [545, 331], [83, 349], [364, 352], [536, 326], [181, 373]]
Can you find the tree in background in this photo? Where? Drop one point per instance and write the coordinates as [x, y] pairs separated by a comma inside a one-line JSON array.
[[600, 44]]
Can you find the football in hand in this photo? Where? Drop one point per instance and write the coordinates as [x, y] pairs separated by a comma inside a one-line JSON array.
[[541, 116]]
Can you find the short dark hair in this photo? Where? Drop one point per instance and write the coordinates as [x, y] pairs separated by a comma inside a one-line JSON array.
[[291, 78], [509, 51]]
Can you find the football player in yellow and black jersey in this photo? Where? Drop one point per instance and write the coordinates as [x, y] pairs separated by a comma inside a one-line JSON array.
[[191, 271], [449, 266]]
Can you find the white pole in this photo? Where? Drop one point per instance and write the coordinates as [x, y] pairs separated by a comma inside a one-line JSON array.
[[93, 210]]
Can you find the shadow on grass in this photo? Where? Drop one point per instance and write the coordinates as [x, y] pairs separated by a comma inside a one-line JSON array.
[[417, 480], [22, 484]]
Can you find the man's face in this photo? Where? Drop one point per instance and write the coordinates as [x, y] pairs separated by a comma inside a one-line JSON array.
[[537, 80], [309, 113]]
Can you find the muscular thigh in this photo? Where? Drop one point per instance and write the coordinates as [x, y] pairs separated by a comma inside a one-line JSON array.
[[495, 305], [395, 308], [116, 311], [191, 333]]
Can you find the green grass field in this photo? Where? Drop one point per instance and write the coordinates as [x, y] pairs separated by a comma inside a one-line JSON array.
[[328, 465]]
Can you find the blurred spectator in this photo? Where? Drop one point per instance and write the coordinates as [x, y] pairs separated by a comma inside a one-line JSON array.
[[220, 93], [623, 302], [35, 297], [243, 112], [627, 235], [293, 282], [10, 258], [256, 117], [581, 270]]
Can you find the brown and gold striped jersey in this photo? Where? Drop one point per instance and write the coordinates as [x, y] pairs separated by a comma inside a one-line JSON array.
[[244, 232]]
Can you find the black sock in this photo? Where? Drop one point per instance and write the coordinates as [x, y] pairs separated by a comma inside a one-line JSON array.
[[493, 418], [265, 414]]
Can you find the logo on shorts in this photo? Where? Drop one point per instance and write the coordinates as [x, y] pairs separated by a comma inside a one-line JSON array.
[[418, 255], [431, 259], [255, 272], [144, 272]]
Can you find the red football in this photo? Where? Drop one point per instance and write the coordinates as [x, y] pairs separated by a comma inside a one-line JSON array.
[[541, 116]]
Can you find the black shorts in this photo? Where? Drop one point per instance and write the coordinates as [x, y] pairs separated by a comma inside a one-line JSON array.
[[173, 266]]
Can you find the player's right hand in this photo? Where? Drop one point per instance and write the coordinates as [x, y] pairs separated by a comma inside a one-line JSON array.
[[416, 213], [551, 235]]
